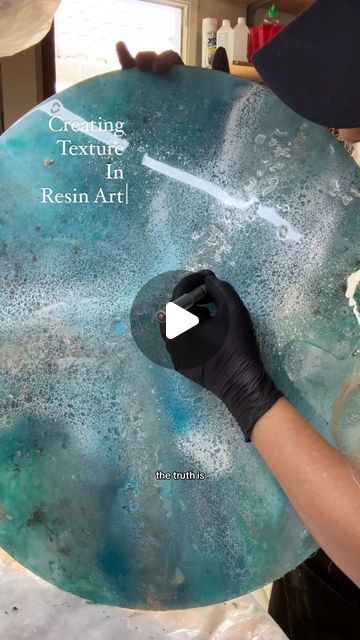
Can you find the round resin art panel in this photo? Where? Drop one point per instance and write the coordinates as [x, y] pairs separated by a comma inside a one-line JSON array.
[[200, 170]]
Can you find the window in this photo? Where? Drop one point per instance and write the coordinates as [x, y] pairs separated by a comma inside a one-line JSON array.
[[86, 32]]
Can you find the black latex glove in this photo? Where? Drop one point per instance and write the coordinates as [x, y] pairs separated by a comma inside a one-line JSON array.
[[221, 353], [220, 61]]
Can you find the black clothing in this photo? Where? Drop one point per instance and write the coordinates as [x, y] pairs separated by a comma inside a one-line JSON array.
[[316, 601]]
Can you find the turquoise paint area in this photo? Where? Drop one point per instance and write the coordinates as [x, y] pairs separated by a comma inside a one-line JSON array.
[[119, 328], [220, 175]]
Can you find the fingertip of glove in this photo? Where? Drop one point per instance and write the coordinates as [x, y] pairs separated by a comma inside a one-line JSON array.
[[220, 60]]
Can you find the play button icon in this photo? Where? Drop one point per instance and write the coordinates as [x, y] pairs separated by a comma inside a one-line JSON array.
[[156, 318], [178, 320]]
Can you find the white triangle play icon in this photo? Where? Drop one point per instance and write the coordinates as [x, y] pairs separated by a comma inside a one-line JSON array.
[[178, 320]]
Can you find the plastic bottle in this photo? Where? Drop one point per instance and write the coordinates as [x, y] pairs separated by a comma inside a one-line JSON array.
[[240, 41], [271, 16], [261, 34], [224, 38], [209, 28], [272, 20]]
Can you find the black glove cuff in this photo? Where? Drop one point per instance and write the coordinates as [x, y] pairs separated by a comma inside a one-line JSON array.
[[248, 408], [248, 421]]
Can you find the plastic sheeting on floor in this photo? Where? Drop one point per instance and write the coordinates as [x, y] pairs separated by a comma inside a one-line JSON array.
[[32, 608]]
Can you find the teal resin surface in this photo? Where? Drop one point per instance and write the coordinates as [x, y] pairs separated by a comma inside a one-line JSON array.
[[219, 174]]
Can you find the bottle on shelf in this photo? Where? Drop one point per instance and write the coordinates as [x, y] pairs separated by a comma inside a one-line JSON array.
[[240, 41], [261, 34], [209, 29], [224, 38]]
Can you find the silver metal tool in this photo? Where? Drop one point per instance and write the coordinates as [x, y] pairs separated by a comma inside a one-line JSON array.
[[186, 301]]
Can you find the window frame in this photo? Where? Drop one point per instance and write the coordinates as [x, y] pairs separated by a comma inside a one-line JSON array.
[[189, 30]]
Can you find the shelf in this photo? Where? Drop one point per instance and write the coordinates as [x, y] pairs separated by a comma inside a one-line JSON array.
[[245, 70], [287, 6]]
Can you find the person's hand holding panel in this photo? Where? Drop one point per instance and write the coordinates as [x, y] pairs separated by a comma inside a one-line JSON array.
[[147, 60]]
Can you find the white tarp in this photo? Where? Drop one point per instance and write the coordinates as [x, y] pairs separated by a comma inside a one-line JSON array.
[[23, 23], [30, 609]]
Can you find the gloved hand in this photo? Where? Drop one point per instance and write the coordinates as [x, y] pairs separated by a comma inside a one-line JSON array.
[[233, 370], [220, 61], [147, 60]]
